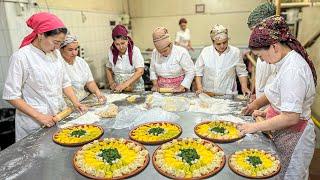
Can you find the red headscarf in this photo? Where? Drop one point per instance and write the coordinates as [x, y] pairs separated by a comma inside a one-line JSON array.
[[275, 29], [117, 31], [40, 23]]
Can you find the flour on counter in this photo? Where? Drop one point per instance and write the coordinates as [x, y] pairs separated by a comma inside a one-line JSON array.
[[88, 118], [115, 97], [229, 117], [214, 106]]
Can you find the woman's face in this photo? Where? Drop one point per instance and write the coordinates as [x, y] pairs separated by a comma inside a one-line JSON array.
[[221, 45], [69, 52], [183, 26], [165, 51], [50, 43], [271, 55], [121, 45]]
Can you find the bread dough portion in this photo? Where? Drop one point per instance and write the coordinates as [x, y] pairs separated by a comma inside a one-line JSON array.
[[132, 98], [111, 111]]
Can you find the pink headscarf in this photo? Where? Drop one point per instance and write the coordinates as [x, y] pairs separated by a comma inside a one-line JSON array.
[[117, 31], [40, 23], [161, 38]]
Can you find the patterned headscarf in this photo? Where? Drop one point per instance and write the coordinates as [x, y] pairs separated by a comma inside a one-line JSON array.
[[69, 39], [161, 37], [261, 12], [120, 30], [218, 32], [275, 29]]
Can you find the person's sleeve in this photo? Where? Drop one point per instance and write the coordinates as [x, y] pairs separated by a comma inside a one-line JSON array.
[[177, 37], [15, 77], [189, 70], [110, 57], [66, 82], [138, 61], [241, 68], [293, 90], [199, 65], [88, 71], [153, 74]]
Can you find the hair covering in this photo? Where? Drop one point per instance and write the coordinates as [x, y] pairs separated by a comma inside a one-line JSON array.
[[183, 20], [120, 30], [40, 23], [69, 39], [274, 29], [218, 32], [161, 37], [260, 13]]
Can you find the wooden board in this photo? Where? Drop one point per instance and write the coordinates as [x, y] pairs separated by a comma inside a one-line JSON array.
[[155, 142], [252, 177], [133, 173], [213, 139], [211, 173], [80, 143]]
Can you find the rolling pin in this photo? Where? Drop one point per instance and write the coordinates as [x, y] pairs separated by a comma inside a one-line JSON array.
[[63, 114], [166, 90], [268, 133]]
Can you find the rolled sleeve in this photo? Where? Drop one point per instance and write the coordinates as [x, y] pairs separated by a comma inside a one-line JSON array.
[[241, 68], [153, 74], [199, 65], [138, 61], [89, 74], [14, 82], [110, 57], [66, 82], [292, 91], [189, 70]]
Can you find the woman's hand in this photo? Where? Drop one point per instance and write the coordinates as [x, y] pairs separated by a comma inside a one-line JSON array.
[[248, 128], [113, 86], [199, 91], [246, 92], [250, 108], [179, 89], [259, 113], [101, 98], [155, 88], [121, 87], [81, 108], [46, 120]]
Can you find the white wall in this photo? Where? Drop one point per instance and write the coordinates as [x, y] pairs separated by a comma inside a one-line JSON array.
[[148, 14]]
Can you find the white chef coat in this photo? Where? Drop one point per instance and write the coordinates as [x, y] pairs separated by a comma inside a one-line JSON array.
[[123, 70], [79, 73], [38, 79], [219, 72], [292, 89], [183, 37], [178, 63], [123, 65], [264, 74]]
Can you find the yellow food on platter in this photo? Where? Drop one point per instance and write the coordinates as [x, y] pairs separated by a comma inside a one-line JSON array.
[[111, 158], [254, 163], [188, 158], [78, 134], [155, 132], [218, 130]]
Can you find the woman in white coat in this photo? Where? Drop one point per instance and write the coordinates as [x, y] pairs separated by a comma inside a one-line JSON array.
[[290, 94], [77, 68], [219, 64], [36, 76]]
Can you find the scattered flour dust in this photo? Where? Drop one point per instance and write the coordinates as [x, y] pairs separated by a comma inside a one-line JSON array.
[[214, 106], [115, 97], [87, 118]]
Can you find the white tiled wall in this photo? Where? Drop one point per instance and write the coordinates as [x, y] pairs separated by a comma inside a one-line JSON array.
[[94, 34]]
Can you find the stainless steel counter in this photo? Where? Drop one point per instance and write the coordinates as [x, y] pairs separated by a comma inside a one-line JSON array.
[[38, 157]]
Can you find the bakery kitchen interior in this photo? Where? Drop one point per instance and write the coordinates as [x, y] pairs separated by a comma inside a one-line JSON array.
[[178, 89]]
